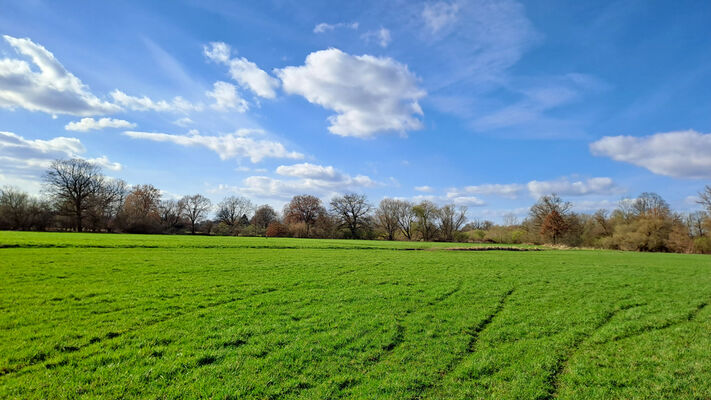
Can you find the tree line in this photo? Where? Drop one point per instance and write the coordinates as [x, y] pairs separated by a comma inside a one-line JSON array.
[[77, 196]]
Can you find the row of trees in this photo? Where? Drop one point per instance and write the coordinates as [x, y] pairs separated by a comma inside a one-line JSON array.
[[77, 196]]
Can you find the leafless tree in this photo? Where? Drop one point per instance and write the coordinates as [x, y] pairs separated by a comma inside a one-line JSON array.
[[387, 217], [545, 206], [406, 218], [705, 198], [264, 216], [650, 204], [196, 209], [107, 204], [695, 223], [510, 219], [72, 184], [426, 213], [171, 212], [14, 208], [304, 208], [450, 220], [233, 208], [351, 211]]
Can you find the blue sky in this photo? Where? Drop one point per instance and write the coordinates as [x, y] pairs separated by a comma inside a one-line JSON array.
[[487, 104]]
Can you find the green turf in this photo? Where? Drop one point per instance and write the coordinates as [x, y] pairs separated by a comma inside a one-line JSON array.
[[122, 316]]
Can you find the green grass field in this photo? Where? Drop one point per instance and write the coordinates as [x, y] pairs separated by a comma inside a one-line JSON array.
[[123, 316]]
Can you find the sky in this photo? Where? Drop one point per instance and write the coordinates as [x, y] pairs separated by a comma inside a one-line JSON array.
[[485, 104]]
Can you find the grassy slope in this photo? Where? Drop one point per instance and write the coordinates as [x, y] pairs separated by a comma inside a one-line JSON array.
[[309, 320]]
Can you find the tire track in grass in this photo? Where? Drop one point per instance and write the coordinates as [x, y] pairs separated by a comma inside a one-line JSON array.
[[4, 371], [561, 364], [474, 332], [397, 339]]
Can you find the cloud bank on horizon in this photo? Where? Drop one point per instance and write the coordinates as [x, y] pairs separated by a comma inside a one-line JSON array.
[[463, 102]]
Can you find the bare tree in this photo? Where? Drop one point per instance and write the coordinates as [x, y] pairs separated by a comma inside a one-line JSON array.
[[14, 208], [426, 213], [72, 184], [107, 204], [510, 219], [705, 198], [387, 217], [450, 220], [231, 209], [140, 212], [304, 208], [264, 216], [406, 218], [171, 212], [195, 209], [545, 206], [650, 204], [351, 211], [554, 225]]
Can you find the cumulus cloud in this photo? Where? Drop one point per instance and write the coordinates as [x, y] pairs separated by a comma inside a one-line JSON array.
[[310, 171], [511, 190], [243, 71], [308, 178], [91, 124], [324, 27], [458, 199], [369, 94], [22, 161], [104, 162], [681, 154], [565, 187], [235, 145], [145, 103], [51, 89], [226, 98], [440, 14]]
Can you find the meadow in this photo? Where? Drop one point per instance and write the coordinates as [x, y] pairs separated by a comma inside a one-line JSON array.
[[128, 316]]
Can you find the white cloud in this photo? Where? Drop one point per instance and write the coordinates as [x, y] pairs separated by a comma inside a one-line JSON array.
[[511, 190], [681, 154], [310, 178], [369, 94], [439, 15], [234, 145], [104, 162], [178, 104], [565, 187], [22, 161], [91, 124], [324, 27], [243, 71], [226, 98], [310, 171], [458, 199], [426, 189], [380, 36], [52, 89]]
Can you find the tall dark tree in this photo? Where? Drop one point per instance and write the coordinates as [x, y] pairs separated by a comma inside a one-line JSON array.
[[554, 226], [72, 184], [231, 209], [650, 204], [264, 216], [304, 208], [387, 217], [406, 218], [426, 214], [196, 208], [547, 204], [450, 220], [351, 211]]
